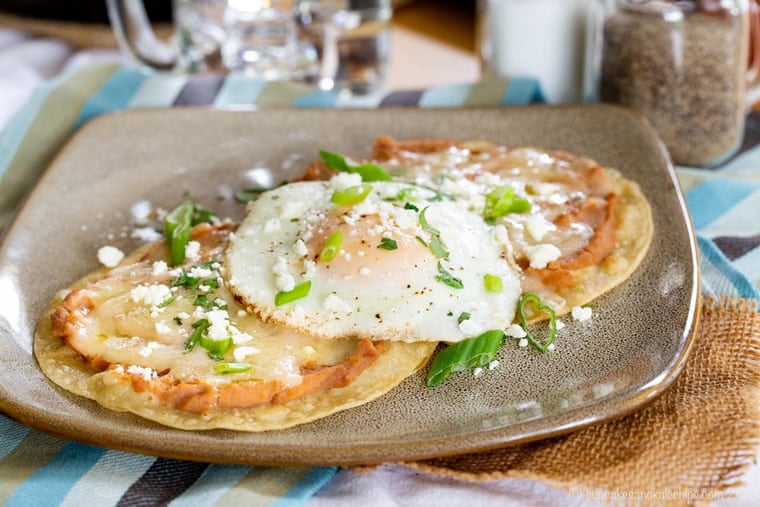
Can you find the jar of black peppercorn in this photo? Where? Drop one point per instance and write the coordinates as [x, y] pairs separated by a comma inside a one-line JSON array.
[[683, 65]]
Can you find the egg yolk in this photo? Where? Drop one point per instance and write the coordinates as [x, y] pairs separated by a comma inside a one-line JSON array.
[[362, 256]]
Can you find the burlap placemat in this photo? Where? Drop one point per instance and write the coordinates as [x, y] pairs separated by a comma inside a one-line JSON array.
[[688, 446]]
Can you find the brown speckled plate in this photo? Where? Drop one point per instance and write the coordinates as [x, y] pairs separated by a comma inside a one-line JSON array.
[[629, 353]]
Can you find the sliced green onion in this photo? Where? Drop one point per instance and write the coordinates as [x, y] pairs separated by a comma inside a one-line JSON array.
[[332, 247], [470, 353], [367, 170], [502, 200], [388, 244], [419, 238], [227, 368], [199, 327], [447, 278], [300, 291], [438, 248], [408, 205], [177, 231], [462, 317], [536, 300], [493, 283], [216, 348], [177, 321], [351, 195], [425, 225]]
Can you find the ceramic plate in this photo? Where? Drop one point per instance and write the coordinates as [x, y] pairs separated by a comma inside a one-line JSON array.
[[630, 352]]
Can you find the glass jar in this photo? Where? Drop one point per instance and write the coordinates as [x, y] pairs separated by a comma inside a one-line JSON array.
[[683, 65]]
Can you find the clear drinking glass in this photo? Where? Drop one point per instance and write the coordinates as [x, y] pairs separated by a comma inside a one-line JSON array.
[[352, 40], [258, 37]]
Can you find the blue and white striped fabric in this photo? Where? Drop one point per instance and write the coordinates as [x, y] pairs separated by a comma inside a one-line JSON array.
[[724, 204], [39, 469]]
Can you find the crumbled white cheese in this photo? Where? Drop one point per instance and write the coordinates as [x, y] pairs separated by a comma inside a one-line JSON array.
[[219, 322], [145, 373], [240, 353], [477, 372], [192, 250], [493, 365], [162, 328], [283, 279], [581, 313], [541, 255], [333, 303], [110, 256], [550, 347], [515, 331], [537, 226], [159, 268], [523, 343], [200, 272], [150, 295], [140, 212], [310, 268], [238, 337], [299, 247], [344, 180], [241, 313], [146, 234], [560, 324], [285, 282], [364, 271]]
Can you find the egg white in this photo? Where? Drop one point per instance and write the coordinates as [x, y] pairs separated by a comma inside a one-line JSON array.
[[367, 291]]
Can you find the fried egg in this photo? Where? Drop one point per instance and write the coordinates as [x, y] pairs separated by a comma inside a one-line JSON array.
[[408, 265]]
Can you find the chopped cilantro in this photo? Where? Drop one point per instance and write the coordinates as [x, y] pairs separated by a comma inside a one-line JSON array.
[[447, 278], [388, 244]]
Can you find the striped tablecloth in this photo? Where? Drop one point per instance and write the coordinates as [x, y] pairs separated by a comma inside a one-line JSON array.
[[39, 469]]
